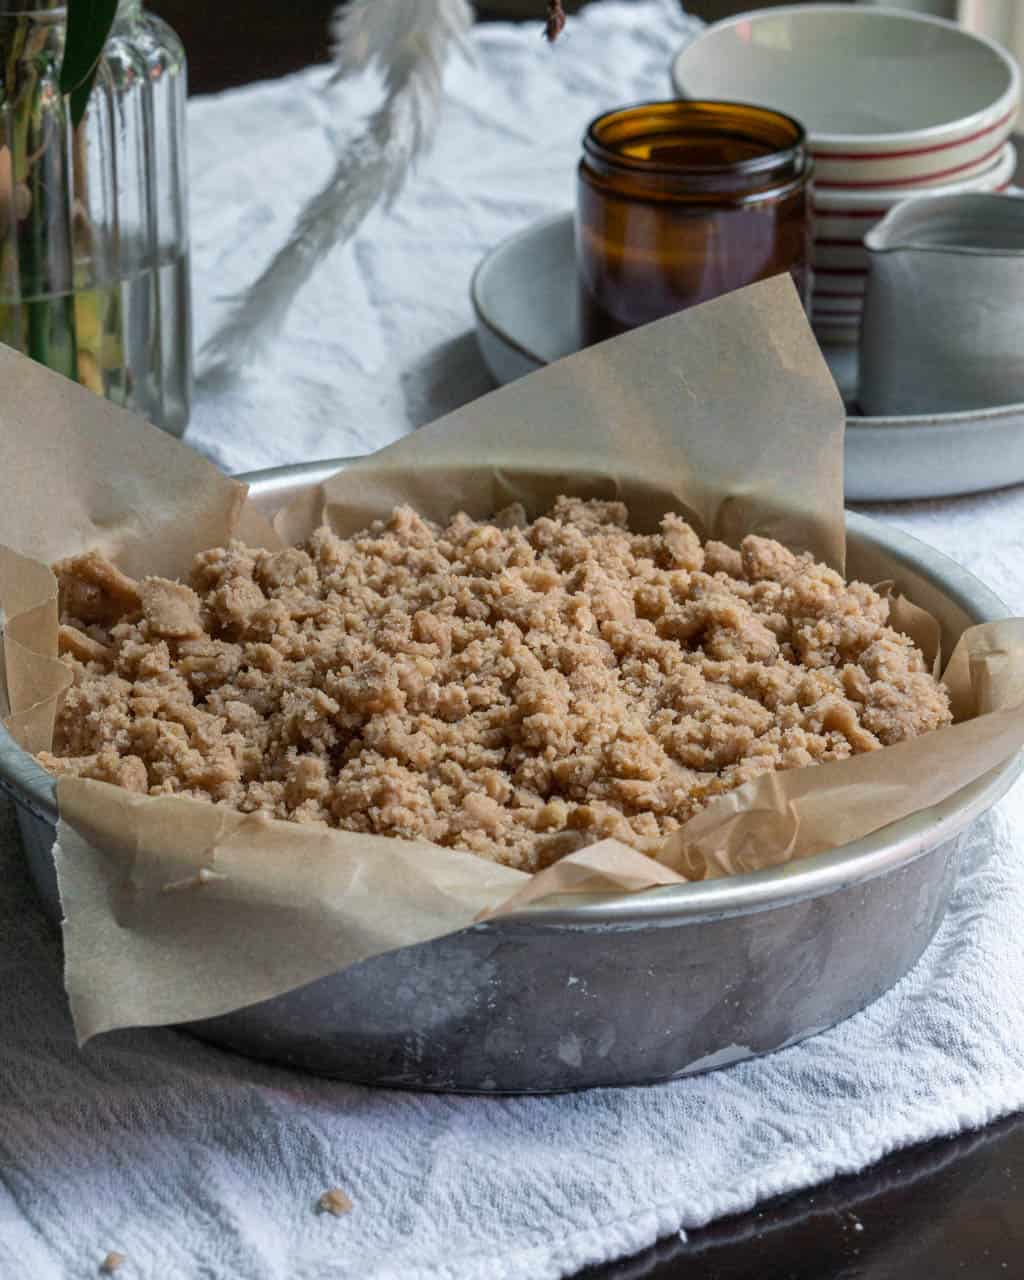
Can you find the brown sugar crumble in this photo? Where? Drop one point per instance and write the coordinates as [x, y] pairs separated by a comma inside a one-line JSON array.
[[335, 1202], [512, 688], [112, 1262]]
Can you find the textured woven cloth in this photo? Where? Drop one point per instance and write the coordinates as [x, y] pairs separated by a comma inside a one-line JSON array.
[[194, 1163]]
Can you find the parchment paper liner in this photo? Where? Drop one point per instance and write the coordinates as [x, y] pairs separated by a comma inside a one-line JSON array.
[[726, 413]]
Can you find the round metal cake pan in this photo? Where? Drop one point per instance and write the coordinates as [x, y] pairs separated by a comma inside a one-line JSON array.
[[630, 989]]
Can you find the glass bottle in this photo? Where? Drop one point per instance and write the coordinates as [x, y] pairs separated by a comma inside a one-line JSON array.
[[679, 202], [94, 264]]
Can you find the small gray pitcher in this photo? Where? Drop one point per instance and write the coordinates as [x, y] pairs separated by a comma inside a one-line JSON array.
[[943, 324]]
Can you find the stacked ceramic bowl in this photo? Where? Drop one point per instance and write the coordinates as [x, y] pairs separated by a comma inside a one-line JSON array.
[[894, 103]]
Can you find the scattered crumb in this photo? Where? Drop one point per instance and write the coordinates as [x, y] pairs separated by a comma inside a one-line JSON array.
[[335, 1202], [81, 646], [171, 609], [515, 689], [105, 766], [112, 1262], [92, 590], [203, 876]]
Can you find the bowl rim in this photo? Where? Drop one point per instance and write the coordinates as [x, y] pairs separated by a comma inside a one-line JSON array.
[[948, 131], [488, 263]]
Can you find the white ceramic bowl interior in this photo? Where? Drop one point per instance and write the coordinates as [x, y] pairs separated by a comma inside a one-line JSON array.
[[888, 97]]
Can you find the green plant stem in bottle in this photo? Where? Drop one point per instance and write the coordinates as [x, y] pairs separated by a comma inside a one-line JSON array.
[[93, 218]]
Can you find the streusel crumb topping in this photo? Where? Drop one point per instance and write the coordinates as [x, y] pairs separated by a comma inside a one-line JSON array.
[[517, 689]]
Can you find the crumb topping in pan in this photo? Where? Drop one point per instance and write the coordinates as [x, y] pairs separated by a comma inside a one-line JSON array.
[[517, 689]]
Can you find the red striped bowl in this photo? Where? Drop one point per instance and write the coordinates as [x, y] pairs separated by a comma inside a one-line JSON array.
[[843, 214], [889, 98]]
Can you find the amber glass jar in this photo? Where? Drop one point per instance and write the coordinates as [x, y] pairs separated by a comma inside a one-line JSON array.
[[679, 202]]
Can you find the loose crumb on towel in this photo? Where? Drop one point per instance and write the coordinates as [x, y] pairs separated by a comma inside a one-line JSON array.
[[335, 1202], [514, 688]]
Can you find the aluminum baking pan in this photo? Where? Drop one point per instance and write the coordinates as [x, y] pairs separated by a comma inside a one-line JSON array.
[[630, 989]]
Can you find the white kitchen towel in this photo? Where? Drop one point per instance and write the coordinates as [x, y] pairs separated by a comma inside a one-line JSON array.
[[195, 1163], [381, 339]]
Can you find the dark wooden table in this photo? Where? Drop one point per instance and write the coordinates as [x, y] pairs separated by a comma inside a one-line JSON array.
[[951, 1210]]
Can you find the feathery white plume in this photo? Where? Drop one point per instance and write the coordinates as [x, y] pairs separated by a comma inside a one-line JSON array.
[[407, 42]]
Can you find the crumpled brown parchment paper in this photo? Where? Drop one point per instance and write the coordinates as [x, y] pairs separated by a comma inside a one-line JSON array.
[[178, 910]]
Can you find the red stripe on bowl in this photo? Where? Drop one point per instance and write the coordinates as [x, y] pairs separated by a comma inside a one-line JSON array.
[[912, 151], [909, 182]]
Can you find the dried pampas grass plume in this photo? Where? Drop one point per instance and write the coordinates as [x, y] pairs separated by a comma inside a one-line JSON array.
[[407, 42]]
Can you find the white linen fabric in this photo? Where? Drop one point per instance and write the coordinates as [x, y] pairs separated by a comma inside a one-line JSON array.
[[195, 1163]]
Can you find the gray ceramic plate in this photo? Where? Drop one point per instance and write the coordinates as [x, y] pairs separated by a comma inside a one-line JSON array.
[[524, 297]]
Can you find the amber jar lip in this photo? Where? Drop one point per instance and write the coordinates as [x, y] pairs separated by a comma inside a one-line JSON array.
[[784, 159]]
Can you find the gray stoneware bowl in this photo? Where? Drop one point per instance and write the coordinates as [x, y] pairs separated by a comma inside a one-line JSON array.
[[620, 990], [524, 296]]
